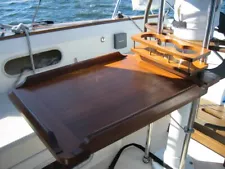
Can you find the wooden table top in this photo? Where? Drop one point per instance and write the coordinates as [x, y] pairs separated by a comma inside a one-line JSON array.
[[78, 109]]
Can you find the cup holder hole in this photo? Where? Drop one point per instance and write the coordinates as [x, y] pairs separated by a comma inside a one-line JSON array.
[[185, 50], [168, 43]]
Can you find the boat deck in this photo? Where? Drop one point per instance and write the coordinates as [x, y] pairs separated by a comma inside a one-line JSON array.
[[203, 158]]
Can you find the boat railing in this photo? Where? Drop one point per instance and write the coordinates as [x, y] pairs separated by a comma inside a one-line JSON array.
[[36, 12], [116, 9]]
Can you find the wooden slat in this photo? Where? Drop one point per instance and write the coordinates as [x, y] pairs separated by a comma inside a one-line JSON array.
[[194, 67], [214, 140], [208, 118], [153, 27], [209, 142], [213, 114]]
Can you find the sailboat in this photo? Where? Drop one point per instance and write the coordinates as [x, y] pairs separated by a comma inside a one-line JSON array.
[[123, 112]]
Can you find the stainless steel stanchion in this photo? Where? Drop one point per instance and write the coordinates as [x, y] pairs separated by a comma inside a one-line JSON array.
[[188, 131], [161, 16], [116, 9], [147, 158], [209, 25], [146, 14]]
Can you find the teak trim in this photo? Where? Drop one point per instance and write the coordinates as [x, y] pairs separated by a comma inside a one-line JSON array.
[[187, 69], [209, 142]]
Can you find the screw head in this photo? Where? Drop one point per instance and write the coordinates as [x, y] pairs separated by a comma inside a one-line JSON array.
[[146, 160], [102, 39]]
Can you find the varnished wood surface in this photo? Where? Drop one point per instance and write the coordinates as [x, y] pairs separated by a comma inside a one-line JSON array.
[[212, 114], [153, 27], [195, 66], [199, 52], [78, 109], [218, 113], [214, 140], [208, 118], [209, 142], [215, 44]]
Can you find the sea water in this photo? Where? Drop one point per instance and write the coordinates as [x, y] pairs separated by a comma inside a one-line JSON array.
[[22, 11]]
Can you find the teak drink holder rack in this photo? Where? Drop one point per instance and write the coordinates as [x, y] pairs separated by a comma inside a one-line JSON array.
[[173, 54]]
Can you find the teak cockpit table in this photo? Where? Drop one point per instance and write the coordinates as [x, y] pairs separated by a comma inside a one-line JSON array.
[[81, 108]]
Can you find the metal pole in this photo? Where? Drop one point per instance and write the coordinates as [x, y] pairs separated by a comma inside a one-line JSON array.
[[161, 16], [116, 9], [147, 158], [146, 14], [170, 6], [188, 131], [210, 23], [35, 13]]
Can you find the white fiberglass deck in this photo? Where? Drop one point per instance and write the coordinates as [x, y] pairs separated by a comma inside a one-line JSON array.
[[132, 159]]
